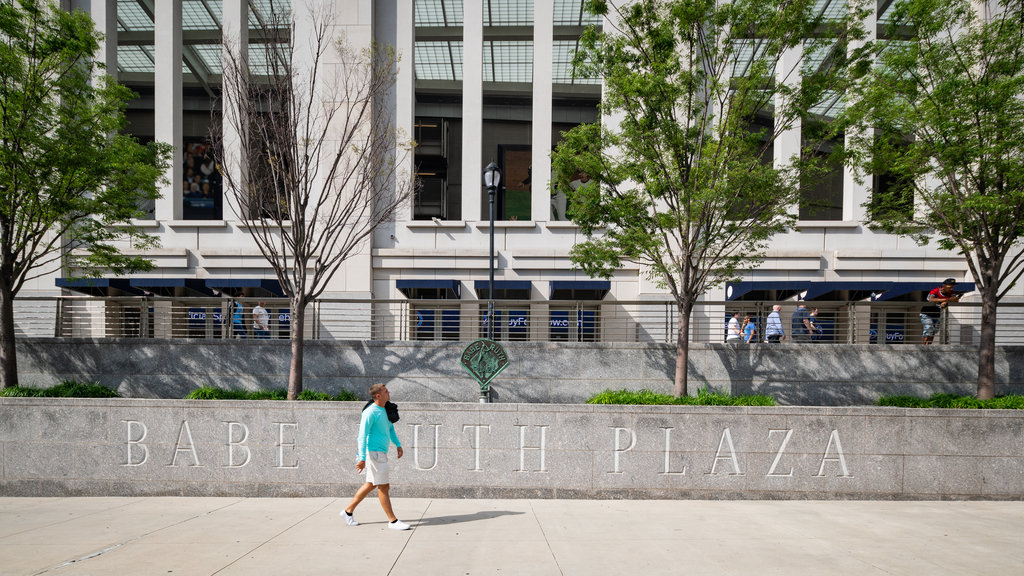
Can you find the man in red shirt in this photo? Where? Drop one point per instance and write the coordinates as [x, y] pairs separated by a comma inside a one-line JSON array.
[[931, 316]]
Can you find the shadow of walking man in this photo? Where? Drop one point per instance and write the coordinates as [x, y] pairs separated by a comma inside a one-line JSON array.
[[460, 518]]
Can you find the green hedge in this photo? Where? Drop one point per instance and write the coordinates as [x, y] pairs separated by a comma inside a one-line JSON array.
[[66, 389], [704, 397], [213, 393], [1012, 402]]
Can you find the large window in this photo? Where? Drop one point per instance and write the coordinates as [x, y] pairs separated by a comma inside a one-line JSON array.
[[437, 58], [202, 186]]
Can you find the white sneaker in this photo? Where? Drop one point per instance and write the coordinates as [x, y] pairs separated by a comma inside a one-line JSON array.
[[398, 525], [349, 519]]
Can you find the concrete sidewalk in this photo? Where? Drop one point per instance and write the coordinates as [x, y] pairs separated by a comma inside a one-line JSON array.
[[58, 536]]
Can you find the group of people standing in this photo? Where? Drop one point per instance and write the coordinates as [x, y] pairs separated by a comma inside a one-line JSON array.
[[805, 327]]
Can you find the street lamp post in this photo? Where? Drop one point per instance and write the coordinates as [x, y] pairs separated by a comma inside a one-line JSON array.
[[492, 179]]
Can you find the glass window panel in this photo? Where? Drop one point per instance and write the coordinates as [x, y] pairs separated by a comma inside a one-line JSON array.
[[135, 58], [831, 9], [561, 69], [508, 61], [211, 57], [132, 16], [885, 16], [571, 13], [508, 13], [195, 16], [260, 10], [830, 105], [439, 13], [438, 60], [815, 53], [746, 52]]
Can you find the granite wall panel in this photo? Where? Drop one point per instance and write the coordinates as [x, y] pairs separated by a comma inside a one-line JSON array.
[[118, 447]]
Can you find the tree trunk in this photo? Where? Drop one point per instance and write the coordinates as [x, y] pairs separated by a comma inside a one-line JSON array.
[[987, 345], [682, 351], [298, 326], [8, 351]]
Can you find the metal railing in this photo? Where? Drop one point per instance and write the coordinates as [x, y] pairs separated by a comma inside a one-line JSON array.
[[530, 320]]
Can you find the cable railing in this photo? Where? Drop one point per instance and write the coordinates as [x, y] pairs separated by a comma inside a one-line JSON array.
[[862, 322]]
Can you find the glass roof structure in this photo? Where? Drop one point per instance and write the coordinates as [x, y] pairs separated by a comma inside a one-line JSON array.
[[508, 61], [201, 30], [438, 60], [508, 13], [438, 12], [438, 50], [561, 69], [831, 8]]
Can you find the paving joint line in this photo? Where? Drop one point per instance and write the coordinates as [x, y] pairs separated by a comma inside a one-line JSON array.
[[264, 543]]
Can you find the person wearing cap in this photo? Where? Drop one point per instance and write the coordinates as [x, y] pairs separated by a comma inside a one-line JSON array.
[[931, 316]]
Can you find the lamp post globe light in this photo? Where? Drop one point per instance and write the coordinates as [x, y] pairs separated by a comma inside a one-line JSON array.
[[492, 179]]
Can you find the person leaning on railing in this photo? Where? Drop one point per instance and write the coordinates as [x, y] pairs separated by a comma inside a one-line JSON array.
[[931, 316]]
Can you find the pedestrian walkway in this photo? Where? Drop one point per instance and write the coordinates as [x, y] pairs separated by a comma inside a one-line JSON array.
[[289, 536]]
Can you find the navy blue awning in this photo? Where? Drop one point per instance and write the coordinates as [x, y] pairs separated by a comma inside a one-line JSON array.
[[253, 286], [579, 289], [840, 290], [852, 291], [898, 289], [99, 286], [173, 286], [764, 290], [504, 289], [430, 289]]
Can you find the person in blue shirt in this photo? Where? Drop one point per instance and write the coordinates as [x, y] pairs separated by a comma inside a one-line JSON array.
[[376, 434], [238, 319], [773, 332], [749, 330]]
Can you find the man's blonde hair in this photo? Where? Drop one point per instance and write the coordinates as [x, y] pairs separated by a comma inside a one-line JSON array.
[[376, 389]]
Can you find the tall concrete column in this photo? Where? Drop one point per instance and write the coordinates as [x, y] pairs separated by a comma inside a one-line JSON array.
[[856, 194], [405, 88], [472, 110], [788, 144], [104, 18], [543, 51], [235, 45], [167, 102]]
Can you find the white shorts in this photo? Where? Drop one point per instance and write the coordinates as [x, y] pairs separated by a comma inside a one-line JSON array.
[[377, 468]]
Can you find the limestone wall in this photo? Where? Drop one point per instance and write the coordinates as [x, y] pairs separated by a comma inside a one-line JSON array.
[[226, 448]]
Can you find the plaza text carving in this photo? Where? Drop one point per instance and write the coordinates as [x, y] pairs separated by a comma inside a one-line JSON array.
[[234, 449]]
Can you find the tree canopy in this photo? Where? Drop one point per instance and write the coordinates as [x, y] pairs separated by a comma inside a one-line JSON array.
[[942, 115], [70, 183], [685, 178]]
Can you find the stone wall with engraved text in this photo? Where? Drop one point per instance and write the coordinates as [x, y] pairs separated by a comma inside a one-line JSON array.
[[226, 448]]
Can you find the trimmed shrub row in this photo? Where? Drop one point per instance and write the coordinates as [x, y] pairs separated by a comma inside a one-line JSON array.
[[704, 397], [1011, 402]]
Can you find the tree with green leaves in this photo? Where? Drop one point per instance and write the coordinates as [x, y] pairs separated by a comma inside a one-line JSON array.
[[696, 94], [942, 115], [70, 184]]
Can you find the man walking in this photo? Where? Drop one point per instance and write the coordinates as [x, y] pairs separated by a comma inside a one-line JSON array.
[[773, 332], [376, 434], [801, 324], [261, 321]]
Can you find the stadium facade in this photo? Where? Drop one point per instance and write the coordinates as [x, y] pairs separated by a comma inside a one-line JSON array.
[[479, 81]]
